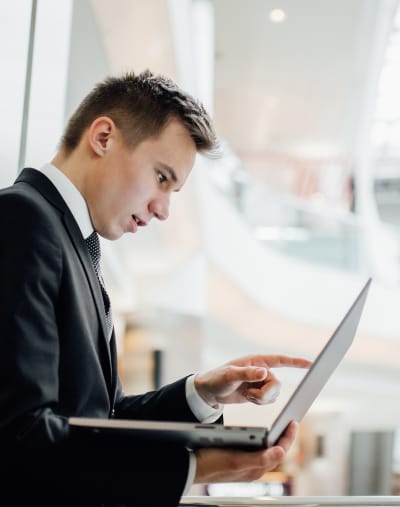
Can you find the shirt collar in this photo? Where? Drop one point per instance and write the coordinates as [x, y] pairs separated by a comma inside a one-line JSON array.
[[71, 195]]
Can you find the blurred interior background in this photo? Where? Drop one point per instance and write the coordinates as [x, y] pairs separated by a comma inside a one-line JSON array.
[[267, 246]]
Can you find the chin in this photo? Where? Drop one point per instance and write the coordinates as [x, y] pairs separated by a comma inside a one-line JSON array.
[[112, 235], [116, 235]]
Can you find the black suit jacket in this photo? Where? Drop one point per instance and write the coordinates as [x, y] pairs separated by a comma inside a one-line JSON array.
[[56, 362]]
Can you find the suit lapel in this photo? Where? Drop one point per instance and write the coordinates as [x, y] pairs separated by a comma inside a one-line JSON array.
[[49, 192]]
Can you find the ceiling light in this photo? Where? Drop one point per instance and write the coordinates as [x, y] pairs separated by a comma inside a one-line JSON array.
[[277, 15]]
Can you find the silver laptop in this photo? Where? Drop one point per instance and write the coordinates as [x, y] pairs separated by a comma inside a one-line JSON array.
[[196, 435]]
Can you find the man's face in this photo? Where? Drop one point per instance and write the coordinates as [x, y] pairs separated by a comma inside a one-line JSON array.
[[129, 186]]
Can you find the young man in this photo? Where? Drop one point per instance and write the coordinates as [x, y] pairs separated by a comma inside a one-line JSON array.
[[130, 144]]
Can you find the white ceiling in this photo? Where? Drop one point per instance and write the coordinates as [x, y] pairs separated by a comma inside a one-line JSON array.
[[293, 87]]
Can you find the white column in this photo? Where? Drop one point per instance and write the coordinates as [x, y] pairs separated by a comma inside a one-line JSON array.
[[192, 24], [14, 42], [49, 80]]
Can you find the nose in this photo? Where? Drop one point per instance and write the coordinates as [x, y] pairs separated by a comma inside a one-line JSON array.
[[159, 208]]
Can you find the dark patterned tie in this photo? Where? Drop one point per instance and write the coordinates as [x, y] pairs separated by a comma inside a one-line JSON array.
[[93, 245]]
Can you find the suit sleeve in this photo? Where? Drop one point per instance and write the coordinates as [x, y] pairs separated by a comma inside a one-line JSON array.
[[166, 404]]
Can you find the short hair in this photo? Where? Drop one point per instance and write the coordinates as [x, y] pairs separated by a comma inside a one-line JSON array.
[[141, 105]]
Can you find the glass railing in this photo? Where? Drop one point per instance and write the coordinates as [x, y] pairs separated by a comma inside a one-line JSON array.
[[310, 232], [315, 231]]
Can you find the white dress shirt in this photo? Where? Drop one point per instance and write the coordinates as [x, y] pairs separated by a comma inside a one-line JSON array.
[[79, 209]]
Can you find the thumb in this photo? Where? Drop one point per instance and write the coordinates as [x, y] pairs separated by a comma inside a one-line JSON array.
[[248, 373]]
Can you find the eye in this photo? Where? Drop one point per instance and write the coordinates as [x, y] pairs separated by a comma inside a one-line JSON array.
[[162, 179]]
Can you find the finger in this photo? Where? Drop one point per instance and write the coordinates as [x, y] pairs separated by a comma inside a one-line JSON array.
[[218, 465], [264, 392], [269, 459], [245, 373], [279, 361], [265, 459], [270, 380], [286, 440], [273, 457], [265, 396]]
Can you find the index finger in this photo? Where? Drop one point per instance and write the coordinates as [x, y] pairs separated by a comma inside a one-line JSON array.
[[279, 361]]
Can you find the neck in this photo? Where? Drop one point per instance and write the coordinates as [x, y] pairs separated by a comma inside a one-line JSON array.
[[73, 168]]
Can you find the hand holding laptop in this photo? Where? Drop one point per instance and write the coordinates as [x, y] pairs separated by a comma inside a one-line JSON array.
[[246, 379], [223, 465]]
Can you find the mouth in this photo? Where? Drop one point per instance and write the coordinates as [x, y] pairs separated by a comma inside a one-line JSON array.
[[140, 223]]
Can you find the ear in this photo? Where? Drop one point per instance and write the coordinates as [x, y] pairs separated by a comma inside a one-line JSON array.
[[100, 135]]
